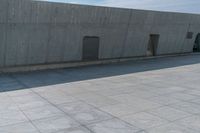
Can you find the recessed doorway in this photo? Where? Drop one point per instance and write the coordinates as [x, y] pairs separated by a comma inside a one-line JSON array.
[[196, 47], [90, 48], [153, 44]]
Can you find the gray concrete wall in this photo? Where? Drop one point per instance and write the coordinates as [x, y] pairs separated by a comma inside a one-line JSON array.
[[33, 32]]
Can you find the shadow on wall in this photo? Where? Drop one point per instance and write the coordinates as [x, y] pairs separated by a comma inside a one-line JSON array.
[[16, 81]]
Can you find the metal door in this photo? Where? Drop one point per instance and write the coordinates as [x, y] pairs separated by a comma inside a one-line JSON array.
[[90, 48]]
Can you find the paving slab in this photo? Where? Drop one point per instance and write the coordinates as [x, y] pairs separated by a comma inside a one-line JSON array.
[[75, 130], [53, 124], [169, 113], [26, 127], [144, 120], [113, 126]]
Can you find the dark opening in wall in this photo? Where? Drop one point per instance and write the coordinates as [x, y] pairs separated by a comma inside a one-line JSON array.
[[90, 48], [196, 47], [153, 44]]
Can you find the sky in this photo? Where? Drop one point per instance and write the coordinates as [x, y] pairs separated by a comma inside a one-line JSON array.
[[186, 6]]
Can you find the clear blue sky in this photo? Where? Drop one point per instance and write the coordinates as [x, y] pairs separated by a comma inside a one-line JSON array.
[[188, 6]]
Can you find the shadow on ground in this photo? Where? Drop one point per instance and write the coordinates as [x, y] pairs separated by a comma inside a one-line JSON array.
[[16, 81]]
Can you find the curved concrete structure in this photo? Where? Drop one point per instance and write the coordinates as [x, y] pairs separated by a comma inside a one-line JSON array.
[[33, 32]]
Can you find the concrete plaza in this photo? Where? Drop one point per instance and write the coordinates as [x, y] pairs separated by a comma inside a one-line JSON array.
[[149, 96]]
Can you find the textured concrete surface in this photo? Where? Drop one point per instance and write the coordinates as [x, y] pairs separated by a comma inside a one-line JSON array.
[[35, 32], [152, 96]]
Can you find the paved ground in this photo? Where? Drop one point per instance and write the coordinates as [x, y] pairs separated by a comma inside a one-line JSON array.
[[152, 96]]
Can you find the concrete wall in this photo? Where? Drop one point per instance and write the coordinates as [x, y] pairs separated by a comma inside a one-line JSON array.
[[33, 32]]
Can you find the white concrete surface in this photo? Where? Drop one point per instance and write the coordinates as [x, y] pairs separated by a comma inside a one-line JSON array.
[[152, 96]]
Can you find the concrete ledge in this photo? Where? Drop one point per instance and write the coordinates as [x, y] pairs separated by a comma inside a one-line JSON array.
[[80, 64]]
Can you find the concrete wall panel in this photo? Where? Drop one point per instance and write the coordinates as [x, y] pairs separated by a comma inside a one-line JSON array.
[[73, 40], [19, 11], [56, 43], [12, 42], [38, 40], [113, 42], [41, 12], [3, 31], [33, 32], [3, 11], [136, 41], [22, 39]]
